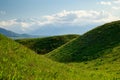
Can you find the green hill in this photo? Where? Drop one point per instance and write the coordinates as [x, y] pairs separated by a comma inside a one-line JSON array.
[[47, 44], [19, 63], [89, 46]]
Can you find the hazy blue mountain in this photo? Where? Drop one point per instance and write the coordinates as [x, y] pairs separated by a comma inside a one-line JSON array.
[[8, 33], [14, 35]]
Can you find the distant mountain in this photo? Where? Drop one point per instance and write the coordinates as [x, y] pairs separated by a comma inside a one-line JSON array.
[[14, 35], [8, 33]]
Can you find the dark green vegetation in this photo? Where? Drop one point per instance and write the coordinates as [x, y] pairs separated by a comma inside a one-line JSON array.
[[89, 46], [47, 44], [92, 56]]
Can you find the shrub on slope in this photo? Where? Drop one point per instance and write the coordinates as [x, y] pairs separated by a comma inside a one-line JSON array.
[[90, 45], [47, 44]]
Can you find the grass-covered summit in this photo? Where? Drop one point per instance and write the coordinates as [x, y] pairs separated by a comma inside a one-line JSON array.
[[46, 44], [89, 46]]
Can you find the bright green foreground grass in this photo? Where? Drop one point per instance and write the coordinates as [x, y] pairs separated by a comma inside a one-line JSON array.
[[47, 44], [19, 63]]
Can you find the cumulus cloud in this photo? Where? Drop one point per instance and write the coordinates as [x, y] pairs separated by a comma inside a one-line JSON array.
[[105, 3], [79, 17], [14, 22], [116, 1], [116, 7], [66, 18], [8, 22], [16, 25], [109, 2]]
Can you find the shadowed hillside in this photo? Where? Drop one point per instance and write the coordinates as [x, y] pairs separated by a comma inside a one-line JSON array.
[[89, 46], [47, 44]]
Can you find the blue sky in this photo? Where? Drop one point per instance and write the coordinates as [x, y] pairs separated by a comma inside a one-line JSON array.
[[29, 16], [37, 8]]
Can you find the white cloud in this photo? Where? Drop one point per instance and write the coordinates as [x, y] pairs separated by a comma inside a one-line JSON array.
[[64, 17], [116, 1], [110, 3], [79, 17], [13, 22], [74, 18], [8, 22], [116, 8], [105, 3]]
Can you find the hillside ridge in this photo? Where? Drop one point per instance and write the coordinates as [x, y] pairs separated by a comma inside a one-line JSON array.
[[90, 45], [46, 44]]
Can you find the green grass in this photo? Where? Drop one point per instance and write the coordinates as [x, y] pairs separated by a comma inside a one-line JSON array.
[[107, 64], [20, 63], [17, 62], [47, 44], [89, 46]]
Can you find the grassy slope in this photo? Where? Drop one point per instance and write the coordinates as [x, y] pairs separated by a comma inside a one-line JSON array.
[[89, 46], [107, 64], [19, 63], [45, 45]]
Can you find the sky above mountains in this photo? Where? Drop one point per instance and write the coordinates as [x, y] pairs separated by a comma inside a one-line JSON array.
[[53, 17]]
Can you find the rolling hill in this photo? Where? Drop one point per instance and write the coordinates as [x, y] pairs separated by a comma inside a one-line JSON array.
[[47, 44], [90, 46], [20, 63]]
